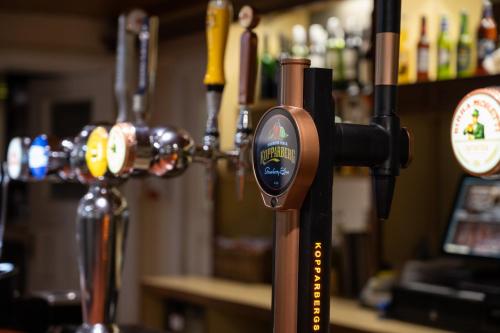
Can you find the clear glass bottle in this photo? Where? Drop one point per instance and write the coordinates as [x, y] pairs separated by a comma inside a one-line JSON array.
[[444, 51]]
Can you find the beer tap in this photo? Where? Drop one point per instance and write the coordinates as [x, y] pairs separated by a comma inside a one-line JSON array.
[[136, 149], [103, 214], [219, 15], [248, 76], [295, 149]]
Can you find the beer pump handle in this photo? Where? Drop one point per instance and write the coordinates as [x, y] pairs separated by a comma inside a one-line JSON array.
[[4, 180], [248, 75], [121, 69], [140, 100], [248, 56], [148, 39], [154, 23], [388, 21], [219, 15]]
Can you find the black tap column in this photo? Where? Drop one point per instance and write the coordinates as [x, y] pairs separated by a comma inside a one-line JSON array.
[[296, 146]]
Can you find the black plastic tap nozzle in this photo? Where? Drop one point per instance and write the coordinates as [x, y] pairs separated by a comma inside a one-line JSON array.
[[388, 20]]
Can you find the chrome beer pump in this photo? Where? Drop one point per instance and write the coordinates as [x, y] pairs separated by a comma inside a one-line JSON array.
[[135, 149], [295, 148], [103, 215]]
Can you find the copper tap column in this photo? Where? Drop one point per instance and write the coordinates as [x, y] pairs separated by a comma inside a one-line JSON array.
[[294, 153], [285, 155], [286, 225]]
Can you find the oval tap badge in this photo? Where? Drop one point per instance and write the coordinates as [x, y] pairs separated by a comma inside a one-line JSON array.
[[118, 149], [38, 157], [475, 132], [276, 152], [95, 156], [17, 158]]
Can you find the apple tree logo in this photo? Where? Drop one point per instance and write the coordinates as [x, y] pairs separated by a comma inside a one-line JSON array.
[[277, 132]]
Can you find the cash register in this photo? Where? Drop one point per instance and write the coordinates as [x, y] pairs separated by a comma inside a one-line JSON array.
[[459, 291]]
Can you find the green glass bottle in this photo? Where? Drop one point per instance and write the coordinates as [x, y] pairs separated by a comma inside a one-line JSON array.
[[268, 68], [444, 51], [464, 48], [335, 47]]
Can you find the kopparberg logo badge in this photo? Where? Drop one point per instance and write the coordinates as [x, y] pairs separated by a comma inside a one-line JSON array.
[[276, 148], [475, 133]]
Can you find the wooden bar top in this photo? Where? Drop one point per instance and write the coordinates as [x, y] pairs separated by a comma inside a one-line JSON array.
[[257, 299]]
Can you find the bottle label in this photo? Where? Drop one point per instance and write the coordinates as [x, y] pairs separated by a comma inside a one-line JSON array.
[[463, 59], [350, 61], [475, 132], [485, 47], [444, 57], [423, 60]]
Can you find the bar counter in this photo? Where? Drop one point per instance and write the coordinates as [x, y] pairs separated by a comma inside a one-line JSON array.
[[231, 300]]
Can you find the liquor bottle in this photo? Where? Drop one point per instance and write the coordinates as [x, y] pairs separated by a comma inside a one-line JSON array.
[[268, 69], [487, 35], [285, 49], [464, 47], [423, 53], [335, 47], [404, 57], [299, 46], [444, 52], [317, 38]]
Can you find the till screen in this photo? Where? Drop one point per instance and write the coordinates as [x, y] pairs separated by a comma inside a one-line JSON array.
[[474, 228]]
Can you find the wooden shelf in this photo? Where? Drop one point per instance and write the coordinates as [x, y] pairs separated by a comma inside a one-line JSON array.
[[440, 96]]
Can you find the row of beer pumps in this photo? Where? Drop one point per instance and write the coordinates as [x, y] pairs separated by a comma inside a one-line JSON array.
[[295, 149], [104, 156]]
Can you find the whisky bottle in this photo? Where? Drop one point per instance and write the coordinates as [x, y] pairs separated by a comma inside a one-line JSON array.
[[423, 53], [487, 35]]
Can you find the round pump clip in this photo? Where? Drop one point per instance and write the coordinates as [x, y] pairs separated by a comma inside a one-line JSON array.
[[17, 158], [95, 155], [475, 132], [285, 156], [38, 157]]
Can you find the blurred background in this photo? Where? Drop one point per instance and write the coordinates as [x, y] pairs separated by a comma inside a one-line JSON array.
[[56, 74]]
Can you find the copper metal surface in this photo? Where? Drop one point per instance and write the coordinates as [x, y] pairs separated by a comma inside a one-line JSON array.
[[286, 271], [387, 58], [287, 205], [292, 81]]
